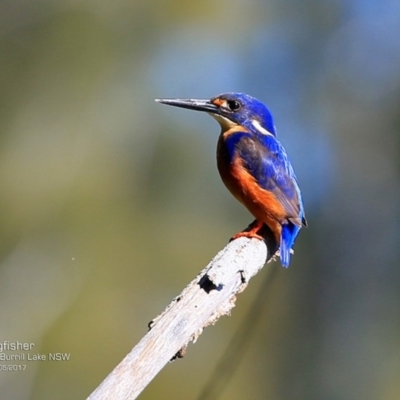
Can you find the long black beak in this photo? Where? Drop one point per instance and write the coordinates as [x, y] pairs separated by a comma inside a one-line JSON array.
[[191, 104]]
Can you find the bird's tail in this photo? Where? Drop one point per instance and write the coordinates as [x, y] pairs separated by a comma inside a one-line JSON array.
[[288, 236]]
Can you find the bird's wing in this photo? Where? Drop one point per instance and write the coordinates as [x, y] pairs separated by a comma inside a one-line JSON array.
[[268, 163]]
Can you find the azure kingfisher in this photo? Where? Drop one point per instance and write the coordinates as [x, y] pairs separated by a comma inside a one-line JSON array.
[[254, 166]]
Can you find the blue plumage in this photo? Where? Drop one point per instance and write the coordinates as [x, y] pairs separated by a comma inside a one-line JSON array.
[[266, 160]]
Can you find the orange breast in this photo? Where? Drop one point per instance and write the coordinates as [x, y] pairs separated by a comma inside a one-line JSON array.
[[261, 203]]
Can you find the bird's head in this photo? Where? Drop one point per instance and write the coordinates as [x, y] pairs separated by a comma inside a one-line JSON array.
[[230, 110]]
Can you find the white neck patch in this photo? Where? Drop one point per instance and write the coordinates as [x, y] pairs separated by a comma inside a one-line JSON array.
[[260, 129], [225, 123]]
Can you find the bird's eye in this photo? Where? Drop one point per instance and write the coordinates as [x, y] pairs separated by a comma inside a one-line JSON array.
[[234, 105]]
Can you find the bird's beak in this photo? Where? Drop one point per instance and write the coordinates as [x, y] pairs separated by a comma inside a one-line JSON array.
[[191, 104]]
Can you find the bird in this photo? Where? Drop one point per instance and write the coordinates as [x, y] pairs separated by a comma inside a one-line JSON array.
[[254, 166]]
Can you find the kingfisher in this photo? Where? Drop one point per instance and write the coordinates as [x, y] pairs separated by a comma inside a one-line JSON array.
[[254, 166]]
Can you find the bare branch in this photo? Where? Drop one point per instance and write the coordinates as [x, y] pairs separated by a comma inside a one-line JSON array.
[[209, 296]]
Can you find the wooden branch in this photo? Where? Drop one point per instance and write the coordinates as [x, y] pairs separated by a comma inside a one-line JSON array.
[[209, 296]]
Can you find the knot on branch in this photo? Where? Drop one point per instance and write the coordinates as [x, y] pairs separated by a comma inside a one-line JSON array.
[[208, 285]]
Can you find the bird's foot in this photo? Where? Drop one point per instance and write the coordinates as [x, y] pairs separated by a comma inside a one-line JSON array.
[[261, 231], [249, 235]]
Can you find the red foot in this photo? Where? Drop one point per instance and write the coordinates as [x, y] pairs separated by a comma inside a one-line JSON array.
[[249, 235], [252, 233]]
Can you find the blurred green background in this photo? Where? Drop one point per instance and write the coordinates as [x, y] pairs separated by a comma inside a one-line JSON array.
[[110, 203]]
